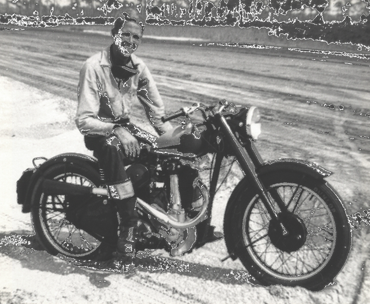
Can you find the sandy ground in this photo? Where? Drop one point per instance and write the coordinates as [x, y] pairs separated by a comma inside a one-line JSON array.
[[295, 95]]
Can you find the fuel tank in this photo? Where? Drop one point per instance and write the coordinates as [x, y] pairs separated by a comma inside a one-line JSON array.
[[184, 139]]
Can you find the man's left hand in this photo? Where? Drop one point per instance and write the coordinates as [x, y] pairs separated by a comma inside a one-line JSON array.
[[129, 143]]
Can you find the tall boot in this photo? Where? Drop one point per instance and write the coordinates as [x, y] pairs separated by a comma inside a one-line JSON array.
[[126, 243]]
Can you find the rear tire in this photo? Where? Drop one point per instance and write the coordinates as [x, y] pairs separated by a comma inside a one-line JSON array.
[[55, 233], [316, 211]]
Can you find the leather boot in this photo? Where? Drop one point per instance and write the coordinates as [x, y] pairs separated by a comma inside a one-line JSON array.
[[128, 229], [213, 235], [126, 244]]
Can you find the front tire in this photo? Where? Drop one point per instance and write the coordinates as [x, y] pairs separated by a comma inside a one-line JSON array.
[[315, 216], [53, 230]]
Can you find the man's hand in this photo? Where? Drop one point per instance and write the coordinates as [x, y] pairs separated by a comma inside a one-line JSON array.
[[130, 144]]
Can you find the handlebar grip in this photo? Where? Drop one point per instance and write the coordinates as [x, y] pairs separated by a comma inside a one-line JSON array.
[[173, 116]]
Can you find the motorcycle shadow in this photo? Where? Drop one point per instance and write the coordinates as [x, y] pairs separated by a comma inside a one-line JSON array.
[[144, 263], [30, 254]]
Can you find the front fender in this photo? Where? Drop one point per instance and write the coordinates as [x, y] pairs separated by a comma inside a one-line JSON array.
[[70, 159], [298, 165], [312, 169]]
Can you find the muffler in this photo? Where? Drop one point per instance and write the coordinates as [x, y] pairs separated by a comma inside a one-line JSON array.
[[53, 187]]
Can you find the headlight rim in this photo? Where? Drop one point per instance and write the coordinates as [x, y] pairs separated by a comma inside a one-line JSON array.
[[252, 124]]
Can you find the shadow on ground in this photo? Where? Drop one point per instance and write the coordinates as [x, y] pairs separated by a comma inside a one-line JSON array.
[[26, 249]]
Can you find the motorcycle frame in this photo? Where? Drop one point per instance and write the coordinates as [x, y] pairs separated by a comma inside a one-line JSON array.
[[250, 161]]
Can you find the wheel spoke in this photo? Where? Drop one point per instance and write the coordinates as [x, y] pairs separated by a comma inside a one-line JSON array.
[[84, 241], [292, 197], [314, 216], [257, 240], [298, 204], [321, 231], [61, 233], [59, 229]]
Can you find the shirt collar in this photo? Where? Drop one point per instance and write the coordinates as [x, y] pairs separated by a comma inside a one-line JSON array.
[[105, 57]]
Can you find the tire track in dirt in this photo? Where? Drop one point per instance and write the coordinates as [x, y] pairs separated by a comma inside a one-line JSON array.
[[341, 133], [275, 108], [132, 288], [54, 84], [36, 58], [264, 78], [31, 48]]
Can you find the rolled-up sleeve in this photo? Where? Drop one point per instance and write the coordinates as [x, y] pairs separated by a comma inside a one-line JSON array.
[[88, 94], [149, 96]]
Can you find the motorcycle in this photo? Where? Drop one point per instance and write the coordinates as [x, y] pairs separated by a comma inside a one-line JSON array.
[[283, 220]]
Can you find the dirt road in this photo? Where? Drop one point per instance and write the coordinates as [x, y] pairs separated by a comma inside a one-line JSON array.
[[314, 107]]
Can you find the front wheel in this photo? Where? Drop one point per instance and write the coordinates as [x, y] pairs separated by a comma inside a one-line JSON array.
[[318, 238]]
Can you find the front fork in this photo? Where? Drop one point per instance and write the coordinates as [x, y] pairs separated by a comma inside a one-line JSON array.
[[249, 168]]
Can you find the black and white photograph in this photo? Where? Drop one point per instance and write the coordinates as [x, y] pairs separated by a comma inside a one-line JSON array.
[[184, 151]]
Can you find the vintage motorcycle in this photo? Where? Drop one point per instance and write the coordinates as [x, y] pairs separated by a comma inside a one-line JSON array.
[[283, 220]]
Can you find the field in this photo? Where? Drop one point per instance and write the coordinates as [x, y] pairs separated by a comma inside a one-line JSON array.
[[314, 106]]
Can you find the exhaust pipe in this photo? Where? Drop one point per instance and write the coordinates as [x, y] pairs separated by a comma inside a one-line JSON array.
[[175, 224], [54, 187]]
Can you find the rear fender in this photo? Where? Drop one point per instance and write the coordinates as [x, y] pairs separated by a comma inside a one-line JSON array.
[[295, 165], [69, 159]]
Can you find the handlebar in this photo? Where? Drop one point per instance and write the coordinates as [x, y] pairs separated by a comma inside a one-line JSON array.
[[197, 106], [174, 115]]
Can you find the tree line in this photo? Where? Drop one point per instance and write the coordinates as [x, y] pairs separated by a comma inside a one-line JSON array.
[[233, 11]]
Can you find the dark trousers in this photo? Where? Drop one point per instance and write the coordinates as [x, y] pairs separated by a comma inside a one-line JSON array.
[[113, 161]]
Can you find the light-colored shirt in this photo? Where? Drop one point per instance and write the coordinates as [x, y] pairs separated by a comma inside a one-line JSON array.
[[103, 100]]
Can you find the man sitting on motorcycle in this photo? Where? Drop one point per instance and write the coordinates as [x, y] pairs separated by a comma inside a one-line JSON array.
[[110, 82]]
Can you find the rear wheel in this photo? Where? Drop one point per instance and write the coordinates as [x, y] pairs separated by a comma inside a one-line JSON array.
[[55, 232], [318, 240]]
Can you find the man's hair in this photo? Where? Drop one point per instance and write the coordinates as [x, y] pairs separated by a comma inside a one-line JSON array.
[[120, 22]]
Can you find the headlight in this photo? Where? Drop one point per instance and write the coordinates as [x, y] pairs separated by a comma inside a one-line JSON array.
[[253, 124]]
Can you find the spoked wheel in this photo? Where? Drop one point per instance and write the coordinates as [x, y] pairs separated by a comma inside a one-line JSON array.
[[313, 245], [49, 214]]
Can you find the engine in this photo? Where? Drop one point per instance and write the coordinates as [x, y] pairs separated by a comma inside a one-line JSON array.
[[172, 189]]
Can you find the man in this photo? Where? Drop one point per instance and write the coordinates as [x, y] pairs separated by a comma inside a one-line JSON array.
[[110, 82]]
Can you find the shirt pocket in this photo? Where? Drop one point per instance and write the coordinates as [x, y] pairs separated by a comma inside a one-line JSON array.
[[129, 99]]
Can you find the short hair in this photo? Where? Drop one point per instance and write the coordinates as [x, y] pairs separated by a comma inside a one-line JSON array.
[[120, 22]]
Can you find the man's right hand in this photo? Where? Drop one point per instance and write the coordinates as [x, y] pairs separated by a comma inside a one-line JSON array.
[[129, 143]]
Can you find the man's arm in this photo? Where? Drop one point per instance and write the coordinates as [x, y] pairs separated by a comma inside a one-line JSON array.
[[87, 113], [149, 96], [89, 104]]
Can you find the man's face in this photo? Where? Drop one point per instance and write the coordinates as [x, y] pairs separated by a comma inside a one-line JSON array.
[[128, 38]]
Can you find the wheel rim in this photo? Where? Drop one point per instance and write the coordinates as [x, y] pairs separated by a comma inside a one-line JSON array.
[[321, 237], [62, 234]]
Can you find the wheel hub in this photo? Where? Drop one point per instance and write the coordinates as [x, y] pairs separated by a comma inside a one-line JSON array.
[[292, 237]]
